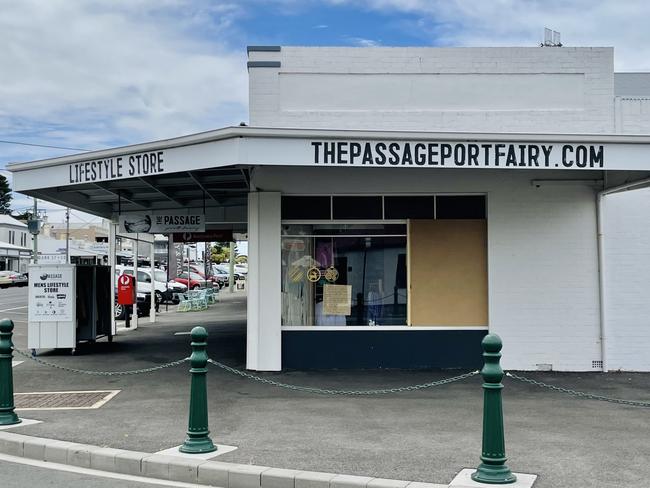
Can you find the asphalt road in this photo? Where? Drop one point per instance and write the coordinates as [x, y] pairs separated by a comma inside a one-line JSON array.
[[13, 305]]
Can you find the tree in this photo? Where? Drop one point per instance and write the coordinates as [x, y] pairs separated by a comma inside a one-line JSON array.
[[5, 196], [220, 252], [23, 216]]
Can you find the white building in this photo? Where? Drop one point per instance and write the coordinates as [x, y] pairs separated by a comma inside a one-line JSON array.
[[401, 202], [15, 244]]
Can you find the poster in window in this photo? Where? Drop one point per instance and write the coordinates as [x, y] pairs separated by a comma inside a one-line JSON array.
[[337, 299]]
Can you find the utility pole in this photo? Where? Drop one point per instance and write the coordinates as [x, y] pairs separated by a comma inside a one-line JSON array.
[[67, 235], [35, 234]]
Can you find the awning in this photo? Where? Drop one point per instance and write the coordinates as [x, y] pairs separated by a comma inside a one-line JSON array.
[[212, 169], [13, 251]]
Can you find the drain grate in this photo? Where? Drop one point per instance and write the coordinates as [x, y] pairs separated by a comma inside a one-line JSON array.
[[63, 400]]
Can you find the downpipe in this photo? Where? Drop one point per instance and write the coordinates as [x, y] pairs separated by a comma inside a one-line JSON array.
[[601, 280]]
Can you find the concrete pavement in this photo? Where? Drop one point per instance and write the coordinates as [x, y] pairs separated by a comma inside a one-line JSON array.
[[17, 474], [426, 435]]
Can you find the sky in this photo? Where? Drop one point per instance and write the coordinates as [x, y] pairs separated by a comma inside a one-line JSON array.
[[84, 74]]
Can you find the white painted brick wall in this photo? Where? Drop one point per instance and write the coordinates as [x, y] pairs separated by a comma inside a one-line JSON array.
[[543, 276], [593, 65], [634, 115], [543, 269], [627, 250]]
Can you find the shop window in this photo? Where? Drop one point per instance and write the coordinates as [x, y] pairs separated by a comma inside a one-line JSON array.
[[341, 275], [306, 208], [411, 207], [357, 208], [460, 207]]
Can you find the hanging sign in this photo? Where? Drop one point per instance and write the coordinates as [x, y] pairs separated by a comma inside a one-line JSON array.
[[50, 294], [162, 223], [224, 235]]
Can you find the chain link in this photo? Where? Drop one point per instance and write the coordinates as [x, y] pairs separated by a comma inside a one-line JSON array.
[[101, 373], [580, 394], [323, 391]]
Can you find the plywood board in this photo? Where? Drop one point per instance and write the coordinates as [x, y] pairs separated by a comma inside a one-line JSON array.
[[448, 273]]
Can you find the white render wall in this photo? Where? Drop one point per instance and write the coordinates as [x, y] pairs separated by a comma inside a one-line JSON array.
[[519, 89], [263, 334], [542, 257], [20, 235], [627, 248]]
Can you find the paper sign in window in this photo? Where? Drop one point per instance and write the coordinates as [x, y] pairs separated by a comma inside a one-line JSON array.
[[337, 299]]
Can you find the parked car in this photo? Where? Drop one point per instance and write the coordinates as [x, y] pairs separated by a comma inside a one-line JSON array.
[[166, 291], [143, 301], [12, 278], [224, 270], [216, 279], [195, 280]]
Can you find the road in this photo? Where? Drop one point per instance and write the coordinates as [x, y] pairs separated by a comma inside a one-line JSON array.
[[32, 473], [13, 305]]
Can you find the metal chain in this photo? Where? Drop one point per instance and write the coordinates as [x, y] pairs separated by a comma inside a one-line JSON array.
[[101, 373], [580, 394], [322, 391]]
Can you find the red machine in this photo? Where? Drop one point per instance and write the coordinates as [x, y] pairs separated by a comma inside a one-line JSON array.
[[126, 289]]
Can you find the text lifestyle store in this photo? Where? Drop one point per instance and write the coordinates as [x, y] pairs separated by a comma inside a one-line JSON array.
[[391, 263]]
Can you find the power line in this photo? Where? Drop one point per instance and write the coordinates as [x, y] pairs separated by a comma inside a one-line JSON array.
[[42, 145]]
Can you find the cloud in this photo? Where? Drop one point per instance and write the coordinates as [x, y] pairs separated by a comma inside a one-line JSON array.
[[362, 42], [92, 74], [100, 74], [521, 23]]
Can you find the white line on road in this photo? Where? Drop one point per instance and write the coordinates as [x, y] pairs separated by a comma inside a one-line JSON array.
[[94, 472], [15, 308]]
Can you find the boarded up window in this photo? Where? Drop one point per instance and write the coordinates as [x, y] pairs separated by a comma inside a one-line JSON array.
[[448, 273]]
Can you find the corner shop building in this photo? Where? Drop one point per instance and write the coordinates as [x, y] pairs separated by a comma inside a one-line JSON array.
[[401, 202]]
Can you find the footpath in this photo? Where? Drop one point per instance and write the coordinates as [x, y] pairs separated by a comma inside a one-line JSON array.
[[287, 438]]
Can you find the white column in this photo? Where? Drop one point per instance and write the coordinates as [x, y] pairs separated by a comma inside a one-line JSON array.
[[152, 310], [134, 318], [111, 263], [264, 335]]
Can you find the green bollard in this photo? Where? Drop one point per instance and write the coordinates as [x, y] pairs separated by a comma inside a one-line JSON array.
[[7, 414], [198, 438], [493, 467]]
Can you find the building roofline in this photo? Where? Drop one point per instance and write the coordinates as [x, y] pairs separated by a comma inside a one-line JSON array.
[[316, 133]]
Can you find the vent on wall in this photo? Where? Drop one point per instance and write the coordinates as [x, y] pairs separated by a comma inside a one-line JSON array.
[[597, 364]]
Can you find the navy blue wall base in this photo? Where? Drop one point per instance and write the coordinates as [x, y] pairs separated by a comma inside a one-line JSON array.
[[408, 349]]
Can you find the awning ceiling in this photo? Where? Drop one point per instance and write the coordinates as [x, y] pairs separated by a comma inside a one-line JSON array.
[[213, 169], [217, 187]]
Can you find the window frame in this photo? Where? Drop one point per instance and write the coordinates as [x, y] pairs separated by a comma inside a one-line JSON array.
[[383, 220]]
